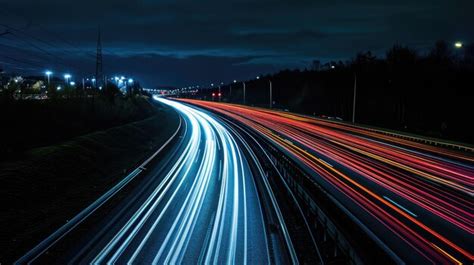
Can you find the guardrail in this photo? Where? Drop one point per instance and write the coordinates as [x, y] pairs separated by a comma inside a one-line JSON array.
[[400, 135], [337, 246], [61, 232]]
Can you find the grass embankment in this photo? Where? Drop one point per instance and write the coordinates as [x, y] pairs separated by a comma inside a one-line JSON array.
[[28, 124], [53, 183]]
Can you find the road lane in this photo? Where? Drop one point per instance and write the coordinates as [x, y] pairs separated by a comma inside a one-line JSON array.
[[199, 203], [417, 199]]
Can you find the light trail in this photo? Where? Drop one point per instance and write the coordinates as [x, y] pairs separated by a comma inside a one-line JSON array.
[[194, 175], [365, 168], [203, 204]]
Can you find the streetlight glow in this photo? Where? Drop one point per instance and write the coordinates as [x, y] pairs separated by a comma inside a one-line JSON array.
[[458, 44], [48, 75]]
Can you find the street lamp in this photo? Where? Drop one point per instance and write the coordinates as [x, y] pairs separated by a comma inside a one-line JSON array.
[[271, 92], [67, 77], [48, 74], [230, 90], [243, 83], [458, 44]]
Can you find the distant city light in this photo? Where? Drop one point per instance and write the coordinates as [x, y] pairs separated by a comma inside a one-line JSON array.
[[458, 44], [67, 76], [212, 84], [130, 80], [59, 88], [48, 73], [235, 81], [332, 66], [72, 83], [258, 77]]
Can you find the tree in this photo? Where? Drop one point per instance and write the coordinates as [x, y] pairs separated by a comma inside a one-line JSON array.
[[315, 65], [441, 54], [399, 56]]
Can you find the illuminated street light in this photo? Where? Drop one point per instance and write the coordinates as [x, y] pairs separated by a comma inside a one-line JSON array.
[[235, 81], [130, 80], [48, 74], [458, 44], [258, 77], [67, 77], [72, 83], [59, 88]]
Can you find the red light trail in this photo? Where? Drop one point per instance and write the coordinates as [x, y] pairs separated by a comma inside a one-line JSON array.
[[421, 193]]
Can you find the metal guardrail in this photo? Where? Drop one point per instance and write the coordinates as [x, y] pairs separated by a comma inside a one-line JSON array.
[[401, 135], [61, 232]]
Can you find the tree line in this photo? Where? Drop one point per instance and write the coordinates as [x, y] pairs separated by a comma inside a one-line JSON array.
[[428, 93]]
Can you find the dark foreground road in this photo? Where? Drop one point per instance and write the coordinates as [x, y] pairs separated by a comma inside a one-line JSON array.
[[195, 201]]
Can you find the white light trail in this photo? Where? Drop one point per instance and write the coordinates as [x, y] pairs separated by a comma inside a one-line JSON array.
[[210, 156]]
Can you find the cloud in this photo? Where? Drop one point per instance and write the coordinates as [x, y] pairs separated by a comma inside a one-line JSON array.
[[232, 35]]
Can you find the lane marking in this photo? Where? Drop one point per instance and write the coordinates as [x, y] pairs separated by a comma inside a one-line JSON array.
[[326, 163], [399, 206]]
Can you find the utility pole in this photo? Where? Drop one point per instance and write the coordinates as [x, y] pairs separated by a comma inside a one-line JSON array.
[[98, 65], [271, 96], [244, 91], [354, 100]]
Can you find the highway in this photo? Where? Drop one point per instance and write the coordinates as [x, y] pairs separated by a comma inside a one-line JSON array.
[[199, 202], [413, 199]]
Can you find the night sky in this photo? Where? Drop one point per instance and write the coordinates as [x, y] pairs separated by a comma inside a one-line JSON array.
[[198, 42]]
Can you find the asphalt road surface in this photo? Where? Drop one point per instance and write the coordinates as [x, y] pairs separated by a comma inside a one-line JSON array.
[[414, 199], [198, 203]]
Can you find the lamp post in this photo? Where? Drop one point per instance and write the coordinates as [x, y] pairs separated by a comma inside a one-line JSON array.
[[244, 91], [271, 96], [67, 77], [230, 90], [48, 75], [354, 99]]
